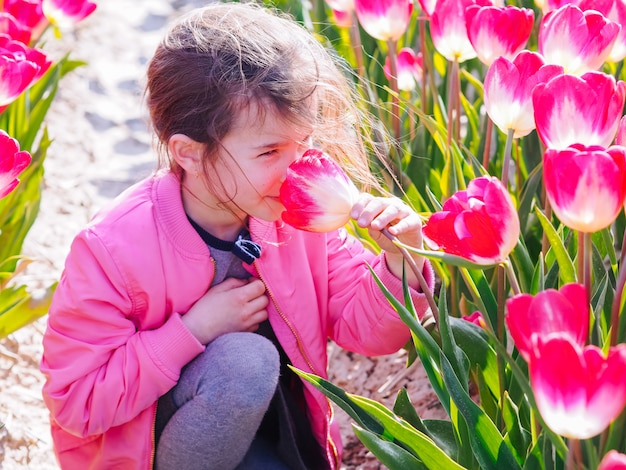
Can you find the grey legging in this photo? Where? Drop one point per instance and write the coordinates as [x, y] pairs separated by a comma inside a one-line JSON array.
[[218, 405]]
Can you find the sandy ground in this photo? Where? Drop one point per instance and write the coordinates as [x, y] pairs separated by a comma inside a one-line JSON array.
[[101, 146]]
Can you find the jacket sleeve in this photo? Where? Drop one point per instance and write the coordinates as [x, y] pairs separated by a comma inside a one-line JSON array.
[[361, 318], [100, 370]]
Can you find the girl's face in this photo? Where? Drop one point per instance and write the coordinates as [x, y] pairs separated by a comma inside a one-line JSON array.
[[253, 162]]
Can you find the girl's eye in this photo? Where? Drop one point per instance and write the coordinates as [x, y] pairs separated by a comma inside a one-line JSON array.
[[268, 153]]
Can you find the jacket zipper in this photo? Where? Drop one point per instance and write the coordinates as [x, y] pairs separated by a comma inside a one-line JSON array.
[[153, 439], [306, 359]]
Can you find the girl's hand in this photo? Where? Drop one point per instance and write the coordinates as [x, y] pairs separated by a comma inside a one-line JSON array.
[[377, 213], [233, 305]]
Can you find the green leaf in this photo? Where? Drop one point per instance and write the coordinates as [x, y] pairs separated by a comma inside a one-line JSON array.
[[391, 455], [343, 400], [487, 443], [567, 270], [422, 445], [18, 308]]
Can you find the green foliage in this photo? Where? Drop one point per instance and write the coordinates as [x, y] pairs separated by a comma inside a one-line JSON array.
[[24, 120], [500, 426]]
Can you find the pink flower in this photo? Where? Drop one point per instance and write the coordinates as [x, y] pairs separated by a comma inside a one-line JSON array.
[[477, 319], [595, 100], [428, 6], [20, 67], [564, 312], [410, 70], [26, 12], [317, 194], [498, 31], [479, 224], [586, 186], [620, 138], [65, 13], [613, 460], [342, 18], [384, 19], [12, 163], [448, 30], [578, 40], [617, 14], [578, 391], [341, 5], [12, 28], [508, 90]]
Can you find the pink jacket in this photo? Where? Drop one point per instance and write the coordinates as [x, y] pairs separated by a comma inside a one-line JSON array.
[[115, 341]]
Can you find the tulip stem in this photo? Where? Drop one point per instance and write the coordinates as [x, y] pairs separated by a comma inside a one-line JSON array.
[[510, 272], [393, 84], [418, 274], [619, 295], [507, 158]]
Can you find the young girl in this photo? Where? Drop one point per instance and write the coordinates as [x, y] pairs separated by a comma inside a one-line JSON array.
[[183, 302]]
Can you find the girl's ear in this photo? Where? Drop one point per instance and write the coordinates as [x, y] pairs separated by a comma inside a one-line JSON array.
[[186, 152]]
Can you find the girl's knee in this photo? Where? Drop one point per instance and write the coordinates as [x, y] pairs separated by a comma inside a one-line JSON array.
[[242, 364]]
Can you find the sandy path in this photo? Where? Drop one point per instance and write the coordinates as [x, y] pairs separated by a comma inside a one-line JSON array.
[[101, 146]]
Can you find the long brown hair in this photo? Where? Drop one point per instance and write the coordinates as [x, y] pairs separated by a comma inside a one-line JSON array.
[[217, 59]]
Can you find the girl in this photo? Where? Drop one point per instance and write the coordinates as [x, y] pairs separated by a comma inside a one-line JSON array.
[[163, 348]]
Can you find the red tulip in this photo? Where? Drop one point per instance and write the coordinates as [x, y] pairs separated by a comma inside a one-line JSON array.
[[384, 19], [617, 14], [578, 391], [479, 224], [410, 71], [508, 90], [564, 312], [448, 30], [586, 186], [317, 194], [613, 460], [580, 41], [498, 31], [595, 100], [64, 13], [12, 163]]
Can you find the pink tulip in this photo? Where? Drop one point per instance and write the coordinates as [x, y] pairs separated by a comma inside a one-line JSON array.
[[585, 110], [498, 31], [479, 224], [317, 194], [508, 90], [26, 12], [448, 30], [578, 40], [620, 138], [477, 319], [342, 18], [586, 186], [428, 7], [20, 67], [341, 5], [564, 312], [578, 391], [410, 71], [386, 20], [12, 163], [12, 28], [66, 13], [616, 12], [613, 460]]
